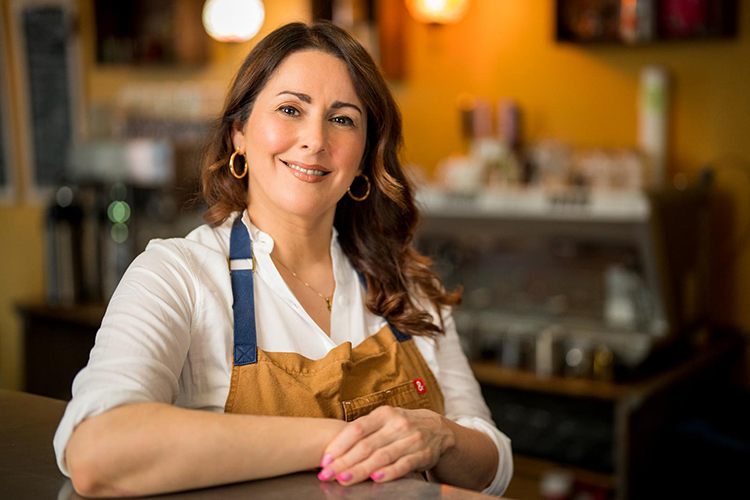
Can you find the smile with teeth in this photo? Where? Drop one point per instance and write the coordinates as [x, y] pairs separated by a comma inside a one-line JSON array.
[[319, 173]]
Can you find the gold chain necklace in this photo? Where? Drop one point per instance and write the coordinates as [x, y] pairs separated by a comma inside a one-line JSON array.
[[329, 300]]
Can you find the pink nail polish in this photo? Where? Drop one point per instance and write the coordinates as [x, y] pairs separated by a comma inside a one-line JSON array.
[[326, 474], [326, 460], [377, 476], [344, 477]]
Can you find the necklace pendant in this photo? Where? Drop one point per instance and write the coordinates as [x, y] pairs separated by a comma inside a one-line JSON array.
[[328, 302]]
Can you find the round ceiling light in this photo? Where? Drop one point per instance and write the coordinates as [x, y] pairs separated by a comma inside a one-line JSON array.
[[233, 20]]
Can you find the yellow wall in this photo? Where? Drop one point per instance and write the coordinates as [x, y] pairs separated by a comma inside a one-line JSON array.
[[502, 48], [21, 246], [583, 94], [587, 95]]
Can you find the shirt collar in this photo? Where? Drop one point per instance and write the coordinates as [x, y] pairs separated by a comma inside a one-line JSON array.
[[263, 241], [263, 246]]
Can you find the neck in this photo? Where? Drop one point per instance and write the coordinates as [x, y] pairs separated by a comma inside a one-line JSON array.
[[302, 244]]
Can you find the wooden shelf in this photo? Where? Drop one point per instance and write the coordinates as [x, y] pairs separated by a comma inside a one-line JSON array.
[[528, 473], [490, 373], [535, 467], [719, 22], [493, 374], [90, 314]]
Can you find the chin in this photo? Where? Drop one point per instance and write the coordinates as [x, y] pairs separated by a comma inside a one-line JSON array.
[[308, 206]]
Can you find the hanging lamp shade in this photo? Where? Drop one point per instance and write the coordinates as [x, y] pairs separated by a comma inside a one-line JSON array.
[[233, 20], [437, 11]]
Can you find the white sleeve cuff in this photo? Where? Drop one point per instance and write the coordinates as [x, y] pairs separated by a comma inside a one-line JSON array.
[[83, 407], [502, 442]]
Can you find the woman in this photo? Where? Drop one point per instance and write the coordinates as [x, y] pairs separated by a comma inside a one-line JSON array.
[[299, 315]]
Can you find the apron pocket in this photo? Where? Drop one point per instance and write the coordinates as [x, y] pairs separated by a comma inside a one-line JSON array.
[[405, 395]]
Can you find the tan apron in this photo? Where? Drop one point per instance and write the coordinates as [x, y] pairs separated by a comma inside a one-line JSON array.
[[384, 369]]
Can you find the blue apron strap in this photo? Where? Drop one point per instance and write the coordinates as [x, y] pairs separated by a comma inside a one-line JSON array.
[[241, 264], [399, 336]]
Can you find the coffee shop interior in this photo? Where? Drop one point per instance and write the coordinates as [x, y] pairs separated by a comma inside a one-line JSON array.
[[582, 169]]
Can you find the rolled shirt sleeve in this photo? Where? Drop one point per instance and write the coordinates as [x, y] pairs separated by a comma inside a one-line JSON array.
[[464, 403], [142, 343]]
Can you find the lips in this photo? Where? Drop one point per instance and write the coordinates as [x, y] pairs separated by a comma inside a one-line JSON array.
[[315, 170]]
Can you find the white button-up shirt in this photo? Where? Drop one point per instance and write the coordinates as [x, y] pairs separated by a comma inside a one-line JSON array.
[[167, 335]]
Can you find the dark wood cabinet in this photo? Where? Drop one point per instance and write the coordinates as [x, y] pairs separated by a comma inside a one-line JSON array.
[[58, 340], [634, 414]]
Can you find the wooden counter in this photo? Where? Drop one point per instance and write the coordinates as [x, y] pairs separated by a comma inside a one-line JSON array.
[[28, 469]]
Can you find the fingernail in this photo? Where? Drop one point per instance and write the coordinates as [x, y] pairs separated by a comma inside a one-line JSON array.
[[326, 474], [344, 477], [326, 460], [377, 476]]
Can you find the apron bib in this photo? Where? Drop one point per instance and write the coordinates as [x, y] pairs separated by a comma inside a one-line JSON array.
[[384, 369]]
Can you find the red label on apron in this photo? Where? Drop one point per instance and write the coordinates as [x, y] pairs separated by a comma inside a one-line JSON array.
[[419, 384]]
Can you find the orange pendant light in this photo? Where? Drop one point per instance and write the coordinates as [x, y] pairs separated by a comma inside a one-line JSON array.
[[438, 11]]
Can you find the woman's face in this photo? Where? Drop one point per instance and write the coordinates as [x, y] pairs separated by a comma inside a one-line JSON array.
[[305, 137]]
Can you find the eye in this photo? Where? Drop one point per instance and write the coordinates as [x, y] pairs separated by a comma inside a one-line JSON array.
[[343, 120], [289, 110]]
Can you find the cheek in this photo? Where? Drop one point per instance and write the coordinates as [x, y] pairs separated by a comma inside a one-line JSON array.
[[270, 137], [349, 152]]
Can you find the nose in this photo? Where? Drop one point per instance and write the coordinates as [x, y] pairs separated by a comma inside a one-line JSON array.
[[314, 136]]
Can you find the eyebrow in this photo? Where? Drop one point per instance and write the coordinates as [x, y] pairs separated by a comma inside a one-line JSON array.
[[306, 98]]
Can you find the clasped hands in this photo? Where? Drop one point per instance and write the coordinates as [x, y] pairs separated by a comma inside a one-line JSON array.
[[386, 444]]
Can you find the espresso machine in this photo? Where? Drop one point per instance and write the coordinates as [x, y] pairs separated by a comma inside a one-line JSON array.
[[575, 283]]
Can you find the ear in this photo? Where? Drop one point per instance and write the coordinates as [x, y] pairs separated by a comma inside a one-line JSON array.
[[238, 136]]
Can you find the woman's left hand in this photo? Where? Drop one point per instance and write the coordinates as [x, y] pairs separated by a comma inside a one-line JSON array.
[[385, 445]]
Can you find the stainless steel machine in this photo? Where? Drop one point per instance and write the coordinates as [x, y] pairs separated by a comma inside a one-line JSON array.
[[574, 283]]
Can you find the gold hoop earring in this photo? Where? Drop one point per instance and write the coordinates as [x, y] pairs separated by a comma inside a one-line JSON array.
[[367, 193], [231, 165]]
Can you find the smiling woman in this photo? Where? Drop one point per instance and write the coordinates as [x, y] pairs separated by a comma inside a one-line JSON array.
[[317, 136], [329, 342]]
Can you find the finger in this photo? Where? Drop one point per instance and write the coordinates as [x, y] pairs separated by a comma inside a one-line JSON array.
[[380, 458], [355, 432], [415, 462], [400, 468], [331, 465]]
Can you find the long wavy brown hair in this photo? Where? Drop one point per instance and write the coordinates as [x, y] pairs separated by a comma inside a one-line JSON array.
[[375, 234]]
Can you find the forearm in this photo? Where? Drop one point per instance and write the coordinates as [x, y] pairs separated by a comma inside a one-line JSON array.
[[153, 448], [471, 462]]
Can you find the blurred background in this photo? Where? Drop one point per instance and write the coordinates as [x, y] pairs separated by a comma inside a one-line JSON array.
[[583, 169]]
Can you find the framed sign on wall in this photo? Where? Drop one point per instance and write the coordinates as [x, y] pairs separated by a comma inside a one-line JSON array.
[[46, 48], [7, 158]]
